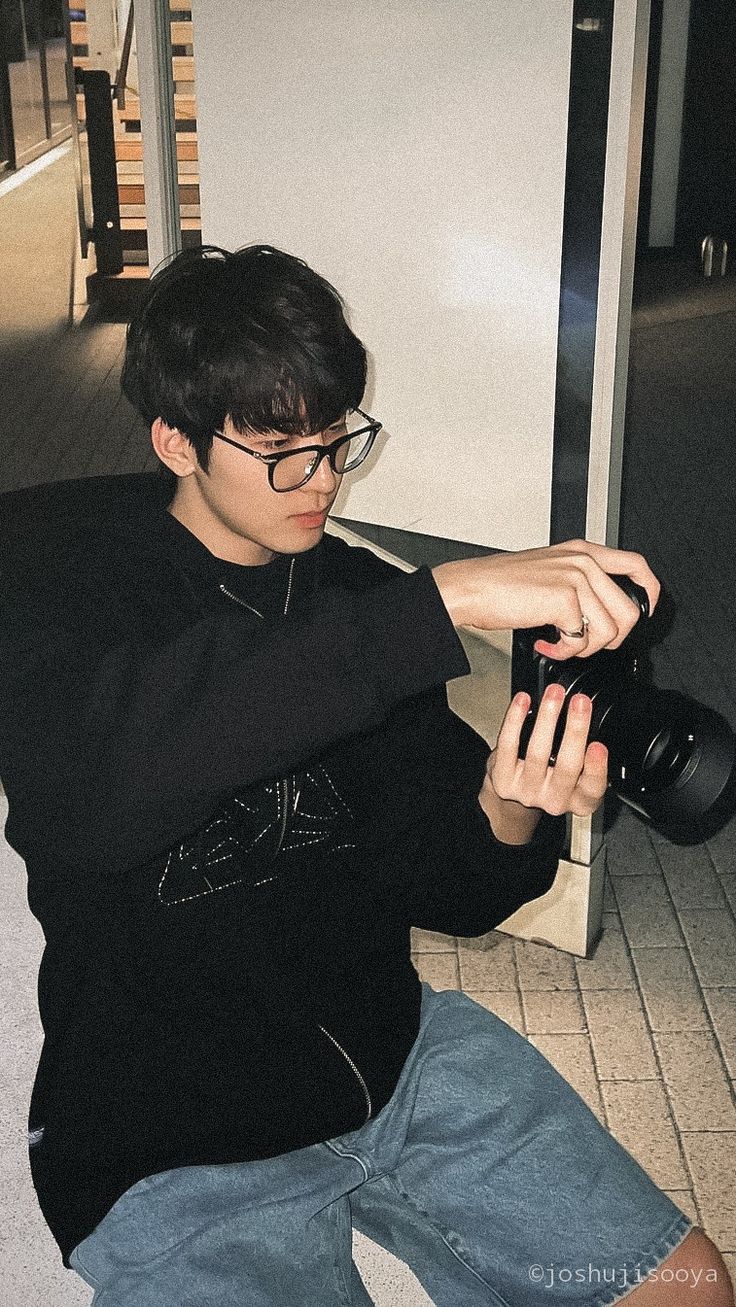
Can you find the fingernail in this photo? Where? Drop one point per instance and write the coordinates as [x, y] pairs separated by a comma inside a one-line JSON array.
[[522, 700], [555, 693], [580, 703]]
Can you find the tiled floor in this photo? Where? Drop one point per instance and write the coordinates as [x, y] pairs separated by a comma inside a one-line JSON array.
[[644, 1029]]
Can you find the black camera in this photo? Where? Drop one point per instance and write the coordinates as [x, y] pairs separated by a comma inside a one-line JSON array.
[[670, 757]]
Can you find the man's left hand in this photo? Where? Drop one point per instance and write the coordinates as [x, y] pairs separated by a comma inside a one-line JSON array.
[[516, 791]]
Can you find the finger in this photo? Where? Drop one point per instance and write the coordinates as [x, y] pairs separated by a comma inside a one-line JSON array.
[[506, 752], [621, 562], [571, 753], [541, 741], [590, 560], [601, 630], [623, 611], [593, 781]]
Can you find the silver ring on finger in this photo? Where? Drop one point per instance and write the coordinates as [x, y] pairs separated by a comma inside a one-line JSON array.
[[577, 635]]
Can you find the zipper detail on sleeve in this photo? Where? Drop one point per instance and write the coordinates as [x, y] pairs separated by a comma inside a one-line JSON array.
[[353, 1068]]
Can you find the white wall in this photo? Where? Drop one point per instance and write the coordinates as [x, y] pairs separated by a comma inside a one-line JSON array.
[[413, 151]]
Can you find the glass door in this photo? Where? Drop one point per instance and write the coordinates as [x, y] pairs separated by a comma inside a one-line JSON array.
[[35, 109]]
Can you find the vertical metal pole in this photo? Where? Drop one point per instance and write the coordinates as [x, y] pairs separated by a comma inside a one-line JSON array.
[[156, 90]]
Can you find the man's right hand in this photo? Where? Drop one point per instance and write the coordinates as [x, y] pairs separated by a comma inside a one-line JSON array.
[[558, 586]]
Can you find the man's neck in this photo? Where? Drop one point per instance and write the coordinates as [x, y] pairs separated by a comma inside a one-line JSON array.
[[216, 536]]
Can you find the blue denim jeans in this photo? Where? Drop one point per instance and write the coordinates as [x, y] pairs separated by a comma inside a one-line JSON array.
[[485, 1173]]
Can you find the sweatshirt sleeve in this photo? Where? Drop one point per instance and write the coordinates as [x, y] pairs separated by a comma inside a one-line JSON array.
[[464, 881], [459, 878], [112, 751]]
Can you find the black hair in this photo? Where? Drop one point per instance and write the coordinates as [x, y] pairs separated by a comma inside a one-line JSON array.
[[252, 335]]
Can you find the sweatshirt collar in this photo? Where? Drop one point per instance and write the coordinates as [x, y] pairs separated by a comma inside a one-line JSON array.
[[157, 532]]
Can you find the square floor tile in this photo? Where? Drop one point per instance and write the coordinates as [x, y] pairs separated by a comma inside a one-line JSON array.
[[722, 1007], [553, 1012], [542, 967], [728, 882], [711, 939], [609, 966], [503, 1003], [646, 911], [622, 1048], [710, 1158], [430, 941], [437, 969], [628, 848], [696, 1083], [722, 847], [691, 878], [669, 988], [609, 898], [639, 1116], [572, 1057], [488, 963]]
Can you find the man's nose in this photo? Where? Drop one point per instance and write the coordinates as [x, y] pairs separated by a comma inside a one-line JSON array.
[[324, 478]]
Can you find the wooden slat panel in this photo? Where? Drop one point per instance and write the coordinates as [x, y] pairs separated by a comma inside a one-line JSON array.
[[78, 33], [183, 66], [185, 107], [130, 171], [128, 149], [122, 134], [133, 149], [134, 194], [182, 33], [130, 194], [139, 224]]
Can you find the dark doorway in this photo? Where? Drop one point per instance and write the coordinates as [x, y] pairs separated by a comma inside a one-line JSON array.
[[706, 198], [689, 145]]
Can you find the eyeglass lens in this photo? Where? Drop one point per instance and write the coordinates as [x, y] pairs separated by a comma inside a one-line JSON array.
[[296, 468]]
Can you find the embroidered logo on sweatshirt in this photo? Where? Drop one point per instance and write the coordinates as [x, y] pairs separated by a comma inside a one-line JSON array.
[[248, 838]]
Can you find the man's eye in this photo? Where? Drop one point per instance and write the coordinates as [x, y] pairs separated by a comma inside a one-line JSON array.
[[274, 444]]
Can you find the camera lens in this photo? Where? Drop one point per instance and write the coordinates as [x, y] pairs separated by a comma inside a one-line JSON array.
[[672, 758]]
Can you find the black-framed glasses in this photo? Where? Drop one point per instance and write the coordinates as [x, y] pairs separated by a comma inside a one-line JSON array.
[[292, 468]]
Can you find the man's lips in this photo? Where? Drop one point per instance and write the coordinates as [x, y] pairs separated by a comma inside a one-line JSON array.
[[311, 518]]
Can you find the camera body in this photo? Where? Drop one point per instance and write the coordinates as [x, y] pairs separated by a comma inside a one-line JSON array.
[[671, 758]]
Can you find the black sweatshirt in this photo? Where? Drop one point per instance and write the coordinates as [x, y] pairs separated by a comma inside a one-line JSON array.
[[230, 818]]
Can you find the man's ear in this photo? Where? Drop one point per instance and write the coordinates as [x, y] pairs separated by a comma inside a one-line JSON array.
[[173, 448]]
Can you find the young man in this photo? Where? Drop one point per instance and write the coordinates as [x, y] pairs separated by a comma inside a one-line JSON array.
[[236, 783]]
